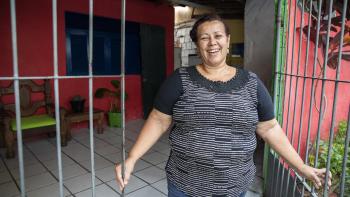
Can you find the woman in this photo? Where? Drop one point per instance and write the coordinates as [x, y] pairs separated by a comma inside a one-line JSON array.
[[217, 110]]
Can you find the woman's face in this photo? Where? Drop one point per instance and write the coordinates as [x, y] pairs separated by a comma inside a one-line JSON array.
[[212, 43]]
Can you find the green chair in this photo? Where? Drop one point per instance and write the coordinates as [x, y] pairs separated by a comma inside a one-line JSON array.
[[33, 97]]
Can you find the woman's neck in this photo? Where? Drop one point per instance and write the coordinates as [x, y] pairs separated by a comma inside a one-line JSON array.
[[214, 70], [223, 72]]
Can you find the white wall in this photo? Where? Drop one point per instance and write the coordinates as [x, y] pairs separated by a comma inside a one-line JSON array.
[[259, 35]]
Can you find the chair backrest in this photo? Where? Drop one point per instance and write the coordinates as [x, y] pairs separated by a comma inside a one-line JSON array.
[[27, 89]]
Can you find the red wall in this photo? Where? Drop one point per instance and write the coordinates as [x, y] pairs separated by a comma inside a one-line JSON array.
[[343, 98], [35, 49]]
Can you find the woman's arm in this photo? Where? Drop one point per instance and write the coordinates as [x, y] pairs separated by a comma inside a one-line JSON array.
[[273, 134], [156, 124]]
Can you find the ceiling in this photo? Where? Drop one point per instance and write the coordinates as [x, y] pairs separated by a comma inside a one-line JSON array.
[[225, 8]]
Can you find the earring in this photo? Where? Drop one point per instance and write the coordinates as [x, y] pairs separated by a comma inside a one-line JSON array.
[[228, 50]]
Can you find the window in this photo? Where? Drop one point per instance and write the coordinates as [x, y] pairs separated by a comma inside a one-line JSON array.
[[106, 46]]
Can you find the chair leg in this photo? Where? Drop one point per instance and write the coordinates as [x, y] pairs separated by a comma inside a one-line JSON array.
[[100, 124], [9, 141], [63, 133]]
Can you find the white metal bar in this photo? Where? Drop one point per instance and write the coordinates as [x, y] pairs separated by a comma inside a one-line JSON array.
[[331, 135], [296, 92], [277, 75], [91, 120], [346, 149], [122, 64], [303, 94], [57, 77], [320, 116], [17, 99], [57, 100]]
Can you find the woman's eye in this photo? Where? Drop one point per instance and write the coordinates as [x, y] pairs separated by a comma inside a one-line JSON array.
[[204, 38], [218, 36]]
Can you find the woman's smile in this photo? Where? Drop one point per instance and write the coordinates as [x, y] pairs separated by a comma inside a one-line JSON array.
[[213, 43]]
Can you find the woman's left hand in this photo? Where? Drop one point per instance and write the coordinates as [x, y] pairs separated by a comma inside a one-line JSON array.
[[317, 176]]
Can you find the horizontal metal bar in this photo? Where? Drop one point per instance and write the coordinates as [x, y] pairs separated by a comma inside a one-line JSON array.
[[57, 77], [308, 77]]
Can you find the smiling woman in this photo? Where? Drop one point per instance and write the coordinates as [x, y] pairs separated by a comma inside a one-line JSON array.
[[217, 110]]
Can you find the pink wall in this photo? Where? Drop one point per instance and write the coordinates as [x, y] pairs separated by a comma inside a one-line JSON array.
[[35, 49], [343, 100]]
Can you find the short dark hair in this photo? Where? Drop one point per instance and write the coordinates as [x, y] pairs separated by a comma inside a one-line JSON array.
[[203, 19]]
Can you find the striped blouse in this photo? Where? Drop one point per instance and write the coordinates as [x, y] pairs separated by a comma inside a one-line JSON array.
[[213, 138]]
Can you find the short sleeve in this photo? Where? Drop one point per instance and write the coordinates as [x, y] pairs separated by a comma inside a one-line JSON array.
[[265, 105], [169, 93]]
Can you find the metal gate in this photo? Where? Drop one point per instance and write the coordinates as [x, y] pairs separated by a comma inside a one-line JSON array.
[[311, 94], [16, 79]]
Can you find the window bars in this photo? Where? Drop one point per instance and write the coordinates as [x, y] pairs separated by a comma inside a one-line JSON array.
[[16, 78], [295, 90]]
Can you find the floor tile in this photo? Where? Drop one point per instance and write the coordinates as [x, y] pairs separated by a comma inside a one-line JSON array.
[[53, 164], [106, 174], [51, 190], [2, 166], [5, 177], [140, 165], [161, 146], [47, 156], [162, 165], [100, 163], [72, 147], [133, 185], [146, 191], [70, 171], [161, 185], [27, 160], [101, 191], [80, 183], [38, 181], [9, 189], [97, 142], [114, 157], [105, 150], [29, 170], [131, 135], [151, 174], [41, 146], [155, 158], [80, 155]]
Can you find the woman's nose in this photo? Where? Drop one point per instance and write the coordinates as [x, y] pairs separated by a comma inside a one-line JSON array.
[[212, 41]]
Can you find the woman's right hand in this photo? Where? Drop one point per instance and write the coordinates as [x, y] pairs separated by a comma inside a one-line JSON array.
[[129, 167]]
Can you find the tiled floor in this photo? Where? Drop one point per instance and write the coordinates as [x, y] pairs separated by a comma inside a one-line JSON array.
[[41, 174]]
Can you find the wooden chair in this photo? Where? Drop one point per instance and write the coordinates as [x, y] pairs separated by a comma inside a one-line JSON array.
[[30, 121]]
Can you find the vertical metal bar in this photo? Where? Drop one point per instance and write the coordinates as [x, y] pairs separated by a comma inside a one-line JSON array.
[[303, 94], [17, 100], [314, 74], [296, 91], [331, 135], [91, 120], [323, 86], [346, 149], [122, 64], [282, 97], [277, 64], [290, 91], [57, 100], [297, 88]]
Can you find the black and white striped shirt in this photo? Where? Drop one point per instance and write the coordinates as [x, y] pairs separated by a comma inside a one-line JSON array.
[[213, 138]]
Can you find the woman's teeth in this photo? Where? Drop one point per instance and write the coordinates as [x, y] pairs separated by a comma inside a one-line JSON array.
[[213, 51]]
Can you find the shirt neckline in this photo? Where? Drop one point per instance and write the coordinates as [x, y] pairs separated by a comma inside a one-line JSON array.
[[236, 82]]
